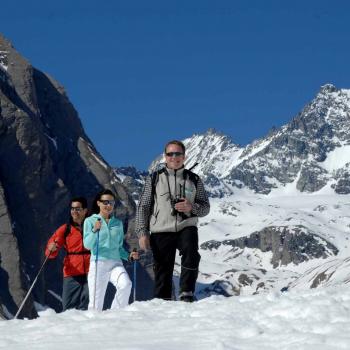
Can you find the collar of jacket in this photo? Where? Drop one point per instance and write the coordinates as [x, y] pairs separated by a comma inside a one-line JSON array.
[[111, 218], [172, 172]]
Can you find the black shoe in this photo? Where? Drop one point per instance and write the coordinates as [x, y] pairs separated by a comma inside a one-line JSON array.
[[187, 297]]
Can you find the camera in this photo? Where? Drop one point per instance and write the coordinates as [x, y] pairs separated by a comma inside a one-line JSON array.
[[173, 202]]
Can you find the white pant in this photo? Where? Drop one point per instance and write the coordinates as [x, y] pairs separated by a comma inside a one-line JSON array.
[[108, 271]]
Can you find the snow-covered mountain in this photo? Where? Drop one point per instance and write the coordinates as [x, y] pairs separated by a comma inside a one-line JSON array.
[[132, 178], [280, 205], [311, 152], [216, 156]]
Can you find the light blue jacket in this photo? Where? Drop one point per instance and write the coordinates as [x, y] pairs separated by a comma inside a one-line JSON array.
[[111, 238]]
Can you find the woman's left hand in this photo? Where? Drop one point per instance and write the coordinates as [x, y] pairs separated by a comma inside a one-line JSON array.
[[134, 256]]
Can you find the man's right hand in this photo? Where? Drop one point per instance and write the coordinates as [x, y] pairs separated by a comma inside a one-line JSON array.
[[52, 247], [144, 243]]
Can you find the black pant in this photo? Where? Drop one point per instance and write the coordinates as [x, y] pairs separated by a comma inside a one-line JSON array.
[[75, 294], [164, 247]]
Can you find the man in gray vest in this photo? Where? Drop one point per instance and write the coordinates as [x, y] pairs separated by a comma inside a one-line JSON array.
[[167, 215]]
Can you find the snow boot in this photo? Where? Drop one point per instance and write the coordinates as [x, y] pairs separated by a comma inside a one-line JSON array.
[[187, 297]]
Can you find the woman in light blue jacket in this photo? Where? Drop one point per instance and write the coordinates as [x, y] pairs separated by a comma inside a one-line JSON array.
[[104, 236]]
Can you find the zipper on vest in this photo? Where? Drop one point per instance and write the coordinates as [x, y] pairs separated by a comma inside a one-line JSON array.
[[175, 199]]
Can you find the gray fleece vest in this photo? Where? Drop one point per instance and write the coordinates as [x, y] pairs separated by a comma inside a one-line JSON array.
[[161, 219]]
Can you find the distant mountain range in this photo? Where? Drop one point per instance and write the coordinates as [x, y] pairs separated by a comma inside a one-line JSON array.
[[310, 153]]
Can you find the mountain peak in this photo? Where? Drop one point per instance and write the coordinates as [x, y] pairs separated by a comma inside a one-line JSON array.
[[213, 135], [4, 42], [213, 131], [328, 88]]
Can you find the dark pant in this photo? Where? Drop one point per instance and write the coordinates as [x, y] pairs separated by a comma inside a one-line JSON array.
[[75, 294], [164, 247]]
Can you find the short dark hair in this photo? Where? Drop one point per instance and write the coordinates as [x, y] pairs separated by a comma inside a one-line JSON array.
[[175, 142], [95, 208], [81, 200]]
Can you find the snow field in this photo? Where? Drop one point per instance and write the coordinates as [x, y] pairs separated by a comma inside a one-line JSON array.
[[315, 319]]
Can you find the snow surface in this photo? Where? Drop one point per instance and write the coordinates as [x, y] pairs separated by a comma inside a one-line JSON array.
[[316, 319], [242, 214], [301, 318], [120, 176], [337, 158], [326, 215]]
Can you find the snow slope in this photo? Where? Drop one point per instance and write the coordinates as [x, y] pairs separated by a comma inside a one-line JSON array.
[[303, 320], [326, 215]]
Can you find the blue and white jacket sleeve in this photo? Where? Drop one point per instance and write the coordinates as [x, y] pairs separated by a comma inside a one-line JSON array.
[[89, 237], [123, 253]]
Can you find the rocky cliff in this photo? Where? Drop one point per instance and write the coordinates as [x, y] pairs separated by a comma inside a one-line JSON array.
[[45, 159]]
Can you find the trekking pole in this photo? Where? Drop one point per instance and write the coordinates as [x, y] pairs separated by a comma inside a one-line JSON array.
[[134, 277], [96, 261], [32, 286]]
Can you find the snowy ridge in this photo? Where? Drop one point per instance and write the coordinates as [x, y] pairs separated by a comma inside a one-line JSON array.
[[214, 152], [335, 272], [216, 156]]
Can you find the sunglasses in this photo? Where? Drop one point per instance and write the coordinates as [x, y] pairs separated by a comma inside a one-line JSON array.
[[77, 209], [107, 202], [174, 154]]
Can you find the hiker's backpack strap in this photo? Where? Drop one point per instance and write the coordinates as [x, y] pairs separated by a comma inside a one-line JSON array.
[[154, 181], [188, 174], [67, 230]]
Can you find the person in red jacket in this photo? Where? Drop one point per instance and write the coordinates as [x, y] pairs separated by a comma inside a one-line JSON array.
[[75, 293]]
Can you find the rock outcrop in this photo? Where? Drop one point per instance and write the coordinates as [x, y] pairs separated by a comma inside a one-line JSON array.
[[287, 244]]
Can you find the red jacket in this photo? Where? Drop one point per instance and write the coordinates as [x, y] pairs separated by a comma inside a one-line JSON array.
[[77, 260]]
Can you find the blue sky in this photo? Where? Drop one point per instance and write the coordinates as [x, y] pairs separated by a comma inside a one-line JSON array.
[[142, 72]]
